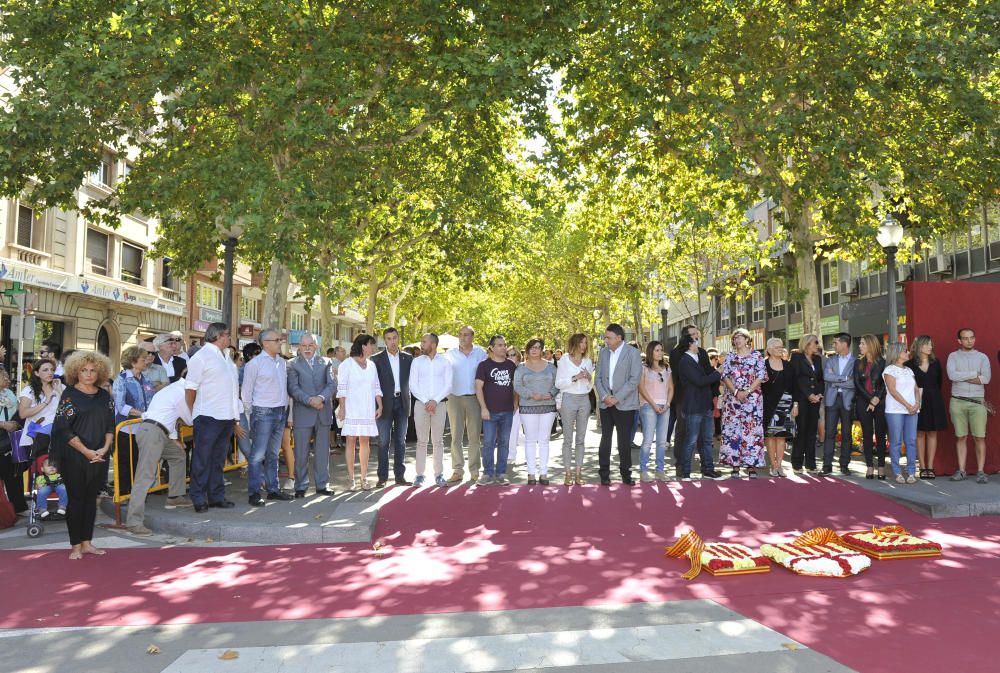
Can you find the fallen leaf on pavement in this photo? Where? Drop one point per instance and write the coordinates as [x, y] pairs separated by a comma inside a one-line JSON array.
[[229, 655], [791, 646], [152, 649]]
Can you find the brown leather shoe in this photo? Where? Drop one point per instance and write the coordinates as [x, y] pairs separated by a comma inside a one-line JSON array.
[[456, 477]]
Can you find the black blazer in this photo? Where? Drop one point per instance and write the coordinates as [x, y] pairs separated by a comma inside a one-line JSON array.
[[808, 378], [180, 366], [698, 385], [385, 380], [675, 356], [861, 396]]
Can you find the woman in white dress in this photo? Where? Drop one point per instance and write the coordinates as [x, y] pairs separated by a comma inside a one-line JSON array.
[[360, 399]]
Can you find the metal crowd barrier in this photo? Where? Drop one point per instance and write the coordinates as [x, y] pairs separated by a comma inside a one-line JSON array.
[[123, 488]]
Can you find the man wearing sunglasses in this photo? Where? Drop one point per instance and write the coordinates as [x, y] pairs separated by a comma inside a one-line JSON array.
[[166, 356]]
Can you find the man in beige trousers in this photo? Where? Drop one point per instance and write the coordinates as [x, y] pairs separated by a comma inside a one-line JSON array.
[[463, 407]]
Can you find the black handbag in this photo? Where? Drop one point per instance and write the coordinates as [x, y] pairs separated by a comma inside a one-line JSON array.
[[781, 423]]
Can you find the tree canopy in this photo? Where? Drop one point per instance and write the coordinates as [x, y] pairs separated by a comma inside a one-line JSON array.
[[377, 150]]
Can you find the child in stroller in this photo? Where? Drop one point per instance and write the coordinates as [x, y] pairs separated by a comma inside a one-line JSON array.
[[48, 481]]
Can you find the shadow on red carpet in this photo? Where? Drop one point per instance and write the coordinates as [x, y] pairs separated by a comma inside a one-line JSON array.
[[462, 549]]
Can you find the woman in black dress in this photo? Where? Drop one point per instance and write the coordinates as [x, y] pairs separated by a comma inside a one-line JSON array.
[[869, 403], [82, 436], [778, 383], [807, 368], [927, 371]]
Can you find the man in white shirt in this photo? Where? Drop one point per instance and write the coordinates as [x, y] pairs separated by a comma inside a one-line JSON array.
[[969, 372], [157, 439], [463, 407], [213, 395], [430, 383], [265, 399]]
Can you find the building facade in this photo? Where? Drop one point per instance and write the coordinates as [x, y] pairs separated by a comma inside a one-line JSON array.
[[854, 296]]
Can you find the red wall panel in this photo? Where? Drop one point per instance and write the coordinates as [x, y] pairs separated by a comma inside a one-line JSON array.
[[939, 309]]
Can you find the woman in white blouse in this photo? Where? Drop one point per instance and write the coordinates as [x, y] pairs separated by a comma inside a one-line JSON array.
[[574, 379], [902, 405], [39, 399]]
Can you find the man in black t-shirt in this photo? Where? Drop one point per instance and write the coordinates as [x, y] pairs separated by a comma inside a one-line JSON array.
[[495, 392]]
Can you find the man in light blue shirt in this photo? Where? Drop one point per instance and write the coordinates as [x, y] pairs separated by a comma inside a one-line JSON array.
[[464, 415], [265, 397]]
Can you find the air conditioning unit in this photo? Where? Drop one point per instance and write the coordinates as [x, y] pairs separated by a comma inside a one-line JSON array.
[[939, 265], [849, 288], [994, 251], [904, 273]]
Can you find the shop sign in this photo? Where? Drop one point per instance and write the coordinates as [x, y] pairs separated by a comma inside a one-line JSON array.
[[200, 326], [209, 314], [27, 275], [827, 325], [100, 290], [246, 330]]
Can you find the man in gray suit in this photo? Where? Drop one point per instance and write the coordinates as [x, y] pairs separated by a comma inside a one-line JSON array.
[[310, 384], [619, 367], [838, 376]]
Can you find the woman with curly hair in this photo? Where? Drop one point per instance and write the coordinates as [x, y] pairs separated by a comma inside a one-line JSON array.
[[81, 441]]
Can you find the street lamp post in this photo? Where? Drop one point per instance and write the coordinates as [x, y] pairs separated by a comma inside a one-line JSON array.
[[664, 321], [890, 234], [403, 322], [231, 235]]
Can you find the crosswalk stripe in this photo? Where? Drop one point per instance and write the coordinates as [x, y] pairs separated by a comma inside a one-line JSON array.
[[481, 654]]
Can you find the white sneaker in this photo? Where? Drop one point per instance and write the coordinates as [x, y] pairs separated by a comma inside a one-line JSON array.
[[644, 476], [440, 480], [419, 481], [661, 475]]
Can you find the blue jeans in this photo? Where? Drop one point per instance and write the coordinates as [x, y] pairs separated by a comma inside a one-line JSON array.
[[698, 430], [902, 428], [42, 497], [496, 436], [267, 426], [392, 434], [213, 438], [653, 422]]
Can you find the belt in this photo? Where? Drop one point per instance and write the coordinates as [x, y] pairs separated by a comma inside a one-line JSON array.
[[396, 395], [159, 425]]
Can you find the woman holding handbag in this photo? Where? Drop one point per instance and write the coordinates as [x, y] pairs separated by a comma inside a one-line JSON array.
[[780, 407], [10, 471]]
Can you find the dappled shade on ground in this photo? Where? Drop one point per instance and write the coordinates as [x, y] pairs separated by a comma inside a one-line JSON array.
[[462, 549]]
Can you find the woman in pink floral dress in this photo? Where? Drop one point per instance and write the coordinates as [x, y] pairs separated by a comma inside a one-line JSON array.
[[743, 407]]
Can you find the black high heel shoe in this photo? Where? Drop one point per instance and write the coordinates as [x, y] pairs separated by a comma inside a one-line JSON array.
[[871, 473], [881, 475]]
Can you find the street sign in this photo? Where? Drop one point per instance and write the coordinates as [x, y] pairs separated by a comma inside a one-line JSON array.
[[29, 326]]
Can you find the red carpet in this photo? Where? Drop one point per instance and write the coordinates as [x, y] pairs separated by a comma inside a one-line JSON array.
[[520, 547]]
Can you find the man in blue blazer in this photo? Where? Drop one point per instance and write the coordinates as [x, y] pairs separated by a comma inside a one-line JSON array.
[[838, 376], [393, 368]]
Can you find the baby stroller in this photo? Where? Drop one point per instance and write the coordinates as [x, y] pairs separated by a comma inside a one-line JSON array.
[[39, 453]]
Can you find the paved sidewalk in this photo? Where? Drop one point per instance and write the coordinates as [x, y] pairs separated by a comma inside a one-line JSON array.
[[689, 636]]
